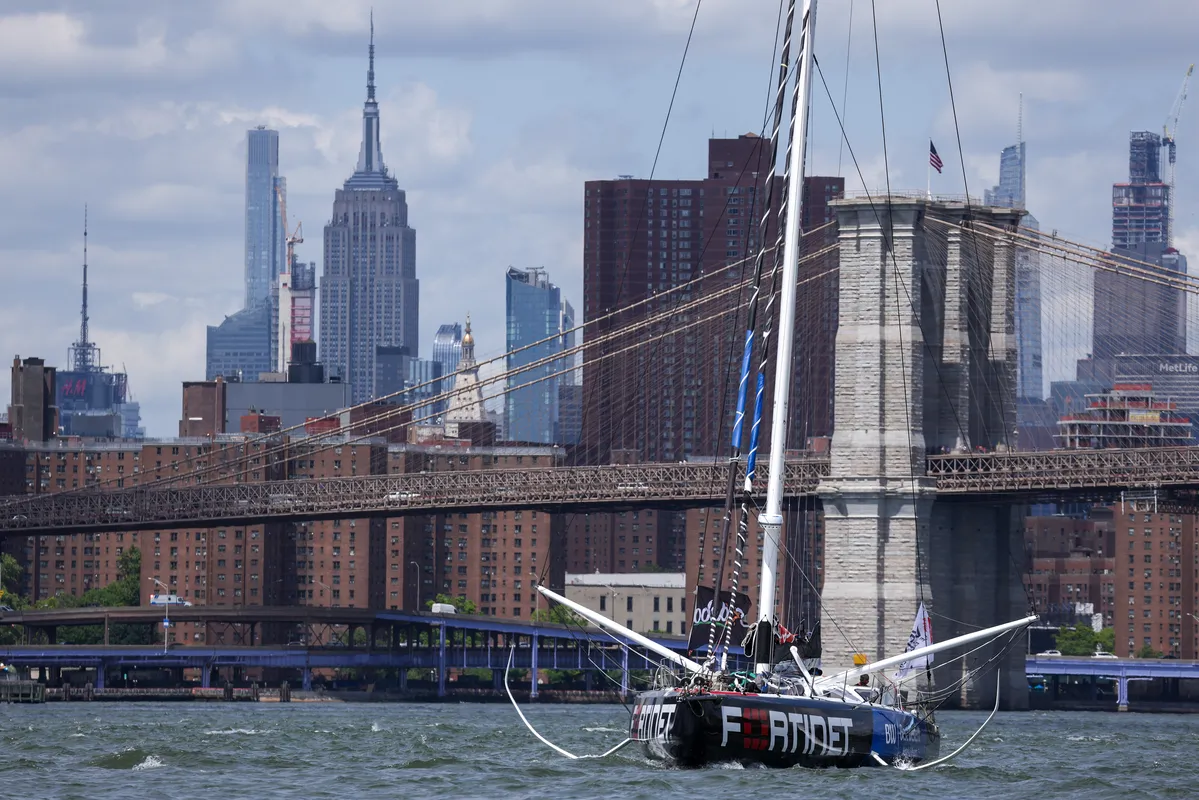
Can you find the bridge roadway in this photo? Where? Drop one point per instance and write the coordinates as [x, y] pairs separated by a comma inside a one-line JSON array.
[[312, 616], [531, 646], [1120, 670], [1017, 476]]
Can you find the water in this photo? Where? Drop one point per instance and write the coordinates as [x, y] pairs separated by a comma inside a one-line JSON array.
[[219, 750]]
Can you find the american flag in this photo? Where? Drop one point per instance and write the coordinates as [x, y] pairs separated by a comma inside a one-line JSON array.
[[933, 158]]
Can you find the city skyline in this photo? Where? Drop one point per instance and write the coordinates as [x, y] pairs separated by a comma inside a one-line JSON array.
[[156, 140]]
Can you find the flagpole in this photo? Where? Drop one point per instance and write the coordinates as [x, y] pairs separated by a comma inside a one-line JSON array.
[[929, 167]]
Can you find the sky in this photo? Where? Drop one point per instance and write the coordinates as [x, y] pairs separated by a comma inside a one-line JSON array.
[[494, 114]]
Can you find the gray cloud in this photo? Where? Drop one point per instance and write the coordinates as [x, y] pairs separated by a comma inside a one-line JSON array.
[[494, 113]]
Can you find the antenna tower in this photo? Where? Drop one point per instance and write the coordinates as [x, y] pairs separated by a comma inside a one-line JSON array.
[[84, 356]]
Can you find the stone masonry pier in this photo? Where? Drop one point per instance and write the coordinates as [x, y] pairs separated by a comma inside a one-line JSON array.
[[925, 363]]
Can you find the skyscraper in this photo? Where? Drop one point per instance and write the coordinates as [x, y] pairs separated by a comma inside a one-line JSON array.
[[240, 346], [247, 343], [664, 391], [536, 313], [265, 191], [1132, 315], [1009, 193], [447, 351], [91, 399], [1141, 207], [369, 293]]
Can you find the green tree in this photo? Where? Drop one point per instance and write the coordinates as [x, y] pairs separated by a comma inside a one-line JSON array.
[[124, 591], [1147, 651], [559, 614], [1081, 640], [10, 579]]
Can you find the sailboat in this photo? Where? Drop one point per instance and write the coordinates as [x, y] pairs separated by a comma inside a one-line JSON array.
[[785, 712]]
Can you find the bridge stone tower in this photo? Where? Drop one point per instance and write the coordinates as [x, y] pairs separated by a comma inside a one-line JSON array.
[[925, 362]]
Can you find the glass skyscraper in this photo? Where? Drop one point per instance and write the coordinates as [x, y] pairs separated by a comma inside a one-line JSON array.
[[1009, 193], [447, 351], [265, 246], [246, 343], [535, 312], [240, 346]]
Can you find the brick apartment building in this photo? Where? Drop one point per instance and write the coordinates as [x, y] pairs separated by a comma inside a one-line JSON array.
[[1071, 561], [491, 558], [1156, 571]]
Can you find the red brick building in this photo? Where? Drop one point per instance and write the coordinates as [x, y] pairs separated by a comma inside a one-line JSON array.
[[1157, 565]]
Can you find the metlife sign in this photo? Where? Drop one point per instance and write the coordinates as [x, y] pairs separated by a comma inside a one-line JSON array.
[[1189, 366]]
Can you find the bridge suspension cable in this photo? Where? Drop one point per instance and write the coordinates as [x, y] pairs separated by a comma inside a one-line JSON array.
[[338, 437]]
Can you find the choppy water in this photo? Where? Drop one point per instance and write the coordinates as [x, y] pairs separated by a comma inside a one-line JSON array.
[[82, 750]]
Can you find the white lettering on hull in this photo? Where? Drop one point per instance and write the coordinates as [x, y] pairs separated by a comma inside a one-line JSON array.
[[653, 721], [787, 732]]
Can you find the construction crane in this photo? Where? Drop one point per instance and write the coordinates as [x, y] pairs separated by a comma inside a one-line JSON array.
[[297, 236], [1169, 133]]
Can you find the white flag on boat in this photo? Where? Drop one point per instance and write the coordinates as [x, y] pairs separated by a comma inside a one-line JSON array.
[[921, 636]]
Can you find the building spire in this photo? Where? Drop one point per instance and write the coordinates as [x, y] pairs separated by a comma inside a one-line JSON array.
[[468, 346], [1020, 121], [370, 173], [370, 71]]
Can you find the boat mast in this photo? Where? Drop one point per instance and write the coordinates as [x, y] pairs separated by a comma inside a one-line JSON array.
[[772, 519]]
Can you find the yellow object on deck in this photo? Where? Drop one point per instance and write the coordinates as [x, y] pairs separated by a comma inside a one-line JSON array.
[[859, 659]]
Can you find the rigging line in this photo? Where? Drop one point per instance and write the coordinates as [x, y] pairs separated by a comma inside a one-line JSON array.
[[921, 577], [965, 744], [878, 217], [716, 437], [652, 171], [845, 86], [245, 459], [575, 621], [820, 604], [378, 432], [785, 213], [1002, 406], [375, 433], [1083, 254], [738, 432], [333, 437], [533, 730]]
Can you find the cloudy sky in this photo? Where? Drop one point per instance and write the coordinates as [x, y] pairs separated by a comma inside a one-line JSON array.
[[494, 113]]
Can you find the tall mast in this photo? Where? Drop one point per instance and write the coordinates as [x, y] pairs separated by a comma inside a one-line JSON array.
[[772, 519], [83, 320], [83, 355]]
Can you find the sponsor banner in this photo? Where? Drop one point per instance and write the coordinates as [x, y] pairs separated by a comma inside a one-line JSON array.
[[921, 636], [706, 613]]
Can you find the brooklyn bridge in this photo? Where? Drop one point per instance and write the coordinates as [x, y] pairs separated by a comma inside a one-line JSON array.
[[922, 474]]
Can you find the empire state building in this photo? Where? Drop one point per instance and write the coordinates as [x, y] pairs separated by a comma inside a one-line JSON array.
[[369, 292]]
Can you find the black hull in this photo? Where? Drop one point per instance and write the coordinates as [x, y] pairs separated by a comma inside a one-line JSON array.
[[693, 730]]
